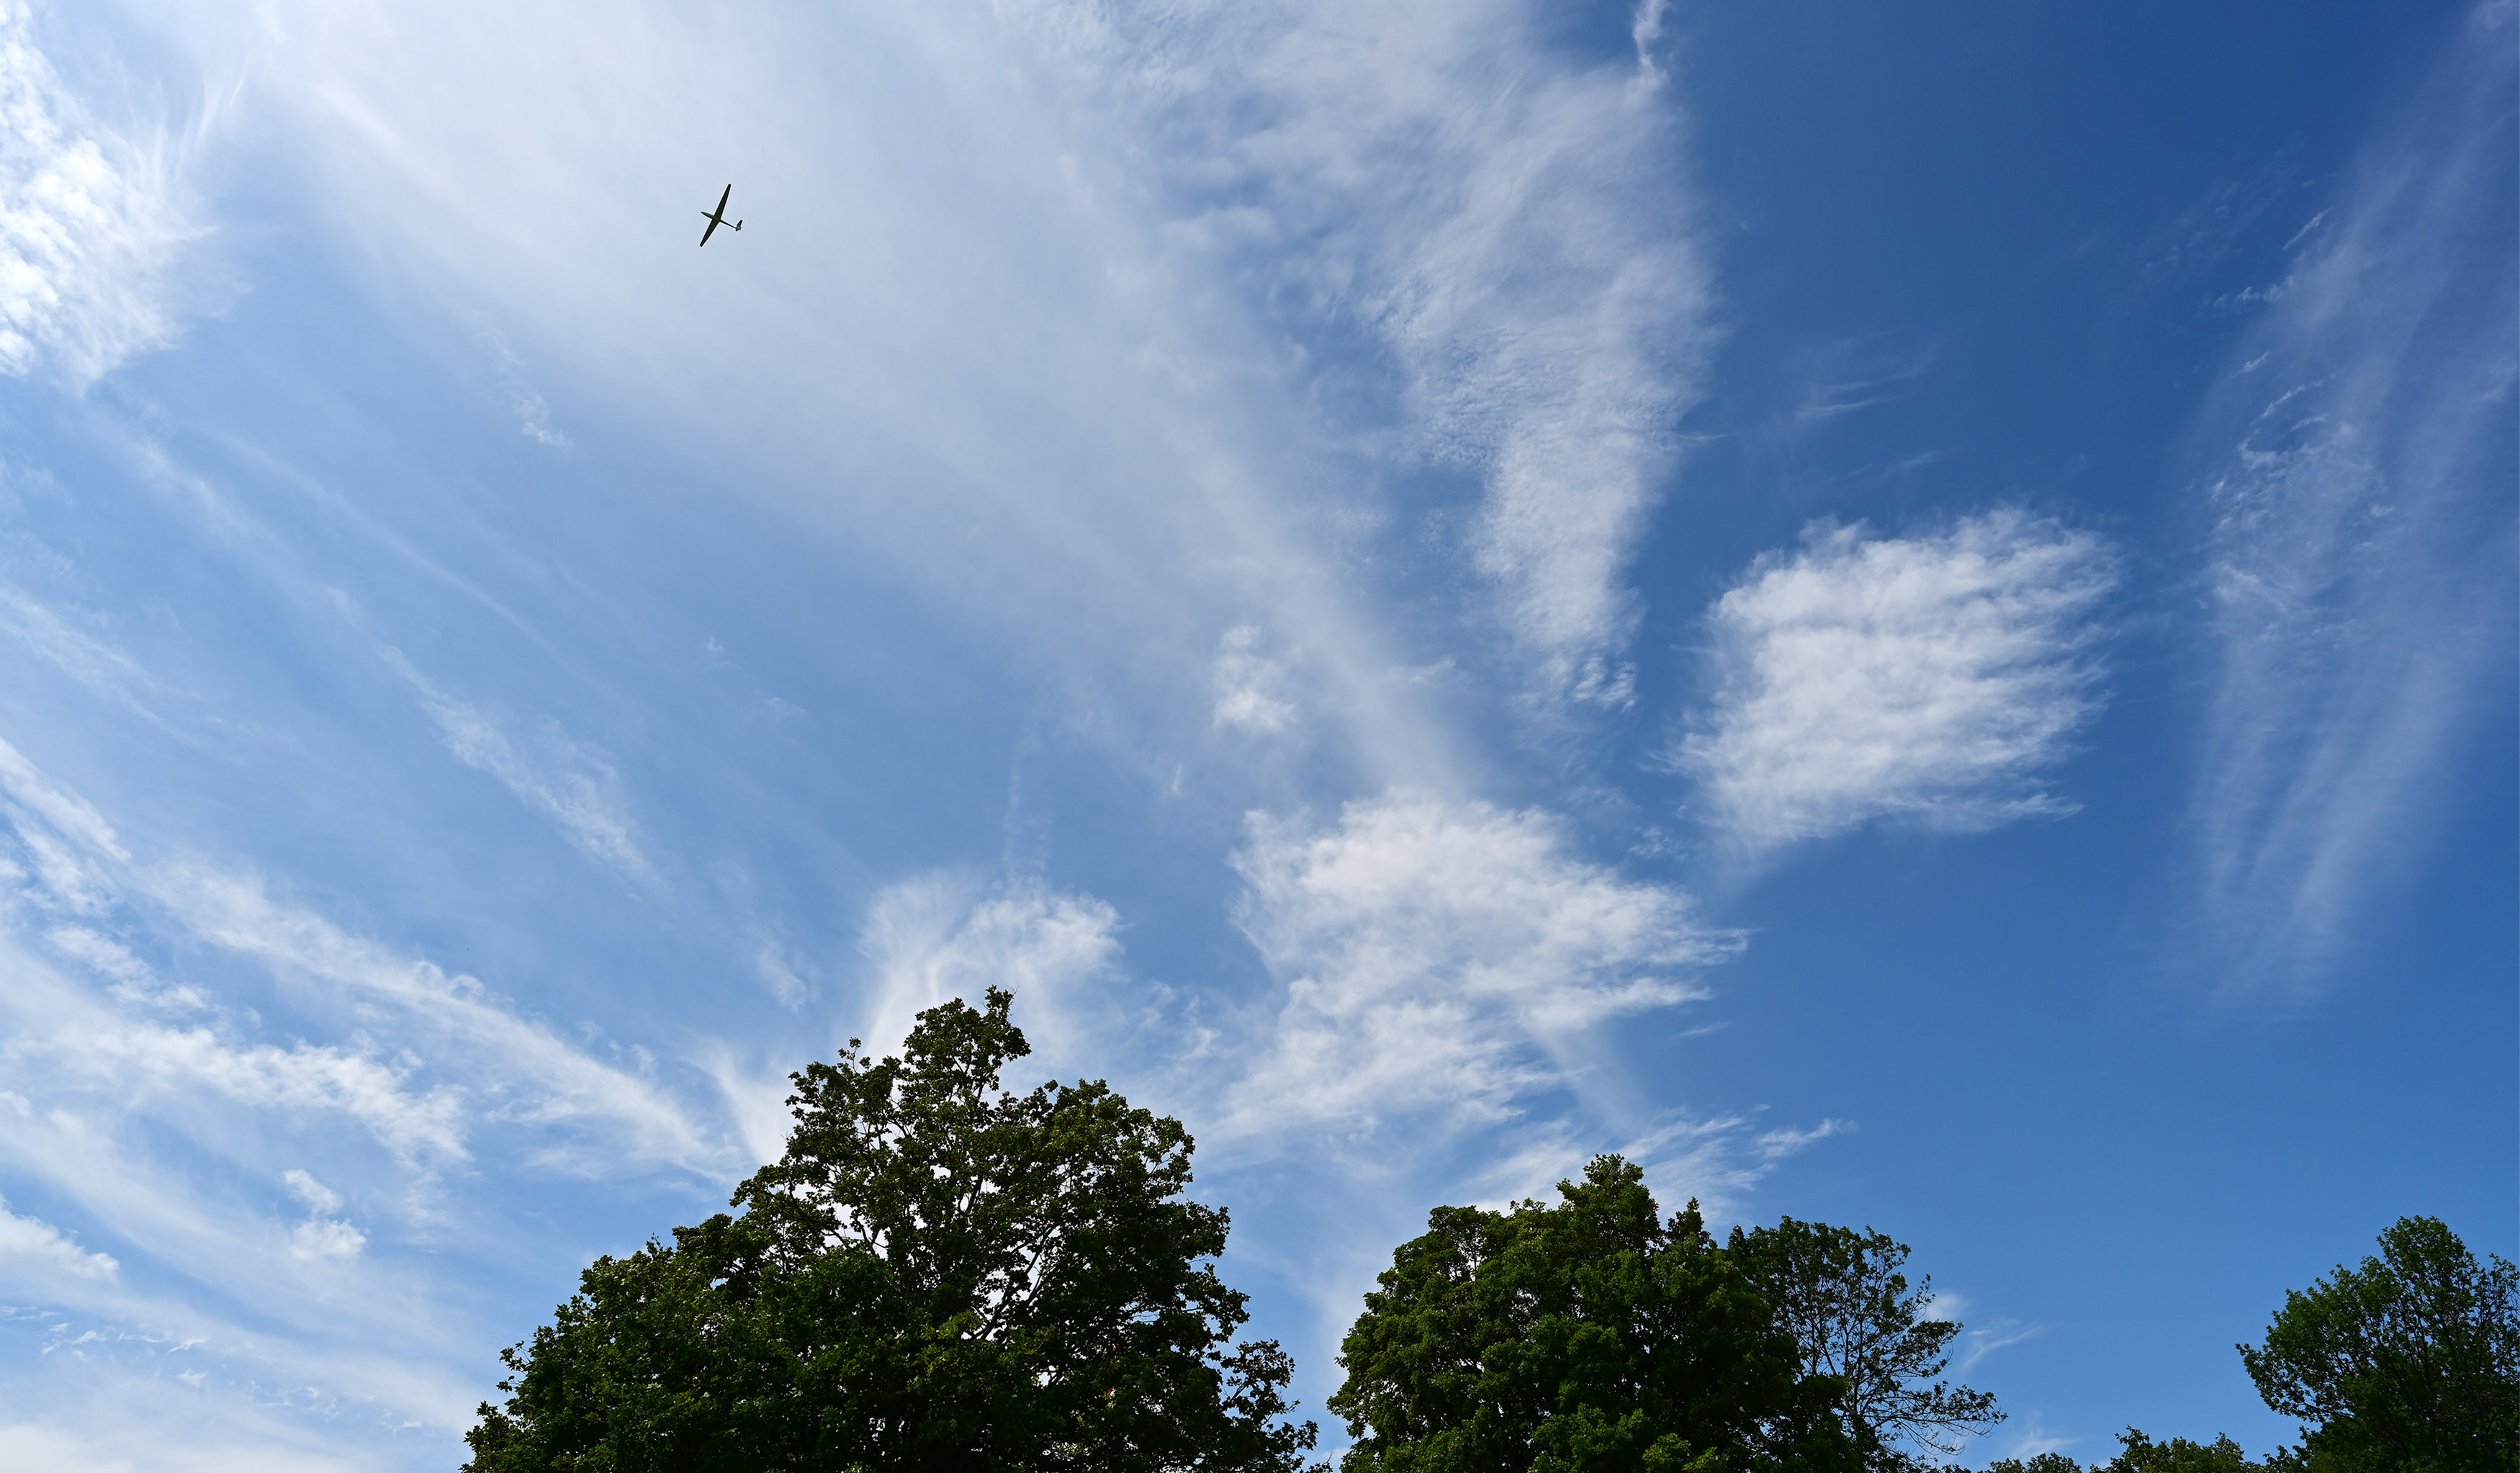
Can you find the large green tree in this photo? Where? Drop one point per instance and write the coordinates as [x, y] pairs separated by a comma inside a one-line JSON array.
[[1845, 1298], [2409, 1363], [940, 1273], [1591, 1336]]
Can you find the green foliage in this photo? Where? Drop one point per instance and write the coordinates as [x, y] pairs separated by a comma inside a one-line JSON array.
[[1588, 1337], [2044, 1462], [938, 1274], [2409, 1363], [2139, 1453], [1842, 1296]]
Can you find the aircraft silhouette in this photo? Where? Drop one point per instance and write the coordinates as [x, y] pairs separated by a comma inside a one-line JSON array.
[[717, 217]]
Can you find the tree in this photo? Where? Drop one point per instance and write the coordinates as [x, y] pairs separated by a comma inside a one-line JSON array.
[[2139, 1454], [2040, 1462], [2410, 1362], [939, 1273], [1587, 1337], [1843, 1297]]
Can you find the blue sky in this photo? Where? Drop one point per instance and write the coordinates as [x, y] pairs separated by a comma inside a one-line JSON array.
[[1907, 617]]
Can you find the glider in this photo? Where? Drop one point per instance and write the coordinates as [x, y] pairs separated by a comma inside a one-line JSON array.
[[717, 217]]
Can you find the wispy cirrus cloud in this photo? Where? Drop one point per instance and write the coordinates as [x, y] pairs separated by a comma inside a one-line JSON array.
[[541, 1076], [149, 1062], [950, 934], [159, 1137], [86, 657], [1714, 1160], [1932, 679], [91, 223], [61, 859], [1505, 221], [2356, 460], [136, 1419], [534, 415], [555, 777]]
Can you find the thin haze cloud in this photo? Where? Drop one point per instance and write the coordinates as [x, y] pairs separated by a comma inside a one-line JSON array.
[[2359, 466]]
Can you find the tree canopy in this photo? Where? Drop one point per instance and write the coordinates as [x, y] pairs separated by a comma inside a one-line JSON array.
[[1585, 1337], [1843, 1297], [2139, 1453], [2409, 1363], [939, 1273]]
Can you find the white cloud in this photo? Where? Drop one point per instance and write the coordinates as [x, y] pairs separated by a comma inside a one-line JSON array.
[[1505, 220], [104, 1418], [533, 416], [517, 1066], [39, 1254], [358, 1330], [73, 817], [1713, 1160], [317, 1197], [94, 662], [947, 935], [2359, 471], [325, 1237], [90, 224], [1437, 957], [777, 973], [2029, 1437], [132, 979], [1978, 1344], [303, 1079], [757, 1098], [1153, 459], [1933, 679], [1777, 1145], [73, 1041], [563, 783], [1250, 687], [148, 1127], [541, 1076], [102, 953]]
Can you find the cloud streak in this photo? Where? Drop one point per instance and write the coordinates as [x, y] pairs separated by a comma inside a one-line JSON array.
[[69, 861], [562, 782], [2357, 465], [158, 1137]]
